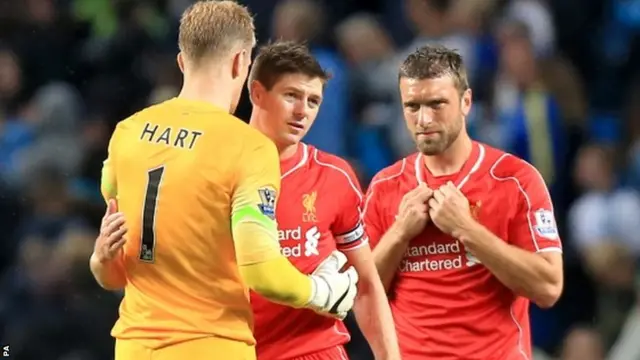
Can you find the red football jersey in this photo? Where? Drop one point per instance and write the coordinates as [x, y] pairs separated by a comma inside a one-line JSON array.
[[445, 304], [318, 211]]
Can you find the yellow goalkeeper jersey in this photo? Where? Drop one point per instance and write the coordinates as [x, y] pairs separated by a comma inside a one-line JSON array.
[[187, 176]]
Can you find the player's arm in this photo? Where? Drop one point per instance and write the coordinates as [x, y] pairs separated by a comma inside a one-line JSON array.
[[264, 269], [530, 262], [371, 306], [108, 272], [389, 243]]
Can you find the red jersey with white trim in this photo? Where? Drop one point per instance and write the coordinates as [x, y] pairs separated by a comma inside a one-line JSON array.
[[446, 305], [318, 211]]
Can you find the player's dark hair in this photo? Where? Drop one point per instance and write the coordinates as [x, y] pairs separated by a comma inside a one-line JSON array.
[[430, 62], [282, 58]]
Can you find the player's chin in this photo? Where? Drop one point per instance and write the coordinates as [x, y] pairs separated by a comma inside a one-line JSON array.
[[292, 138], [431, 148]]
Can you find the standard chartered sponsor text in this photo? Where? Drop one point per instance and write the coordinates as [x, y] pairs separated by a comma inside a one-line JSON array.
[[296, 243], [434, 257]]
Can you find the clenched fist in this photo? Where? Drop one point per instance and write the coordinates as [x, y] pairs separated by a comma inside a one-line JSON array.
[[112, 230], [413, 212], [449, 209]]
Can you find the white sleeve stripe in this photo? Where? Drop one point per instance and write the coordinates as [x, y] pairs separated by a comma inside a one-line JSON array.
[[374, 183], [353, 186], [550, 249], [523, 192]]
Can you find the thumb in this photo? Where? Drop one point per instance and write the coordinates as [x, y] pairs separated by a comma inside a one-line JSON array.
[[112, 207], [353, 274], [425, 193]]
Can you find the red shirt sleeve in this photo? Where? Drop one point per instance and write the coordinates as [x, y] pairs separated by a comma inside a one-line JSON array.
[[347, 227], [533, 227], [371, 213]]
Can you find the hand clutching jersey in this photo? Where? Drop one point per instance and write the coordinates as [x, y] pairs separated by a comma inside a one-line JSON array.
[[190, 178], [318, 211], [445, 303]]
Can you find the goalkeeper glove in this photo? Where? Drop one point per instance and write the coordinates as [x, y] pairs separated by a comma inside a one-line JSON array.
[[333, 292]]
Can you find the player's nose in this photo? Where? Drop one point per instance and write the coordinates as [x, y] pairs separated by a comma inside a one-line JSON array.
[[424, 118], [299, 111]]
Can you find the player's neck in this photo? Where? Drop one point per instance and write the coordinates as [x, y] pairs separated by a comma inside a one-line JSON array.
[[284, 151], [196, 90], [452, 159], [287, 152]]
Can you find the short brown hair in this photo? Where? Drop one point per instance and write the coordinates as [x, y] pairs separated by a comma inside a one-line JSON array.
[[430, 62], [214, 28], [281, 58]]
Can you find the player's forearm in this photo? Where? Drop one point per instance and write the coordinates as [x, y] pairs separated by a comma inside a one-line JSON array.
[[374, 318], [109, 275], [279, 281], [527, 274], [388, 254]]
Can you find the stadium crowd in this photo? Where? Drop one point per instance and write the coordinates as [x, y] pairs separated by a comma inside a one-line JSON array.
[[554, 82]]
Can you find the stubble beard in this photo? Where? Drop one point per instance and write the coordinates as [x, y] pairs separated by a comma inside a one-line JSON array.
[[442, 143]]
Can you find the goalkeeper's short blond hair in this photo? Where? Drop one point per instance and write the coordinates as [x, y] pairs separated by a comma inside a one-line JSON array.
[[215, 28]]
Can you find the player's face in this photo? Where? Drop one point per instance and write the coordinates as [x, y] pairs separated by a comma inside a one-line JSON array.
[[434, 112], [292, 106]]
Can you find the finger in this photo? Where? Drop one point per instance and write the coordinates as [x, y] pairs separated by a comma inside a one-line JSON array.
[[439, 195], [112, 207], [423, 195], [456, 190], [452, 189], [113, 225], [117, 235], [446, 190], [117, 246], [433, 204], [111, 218]]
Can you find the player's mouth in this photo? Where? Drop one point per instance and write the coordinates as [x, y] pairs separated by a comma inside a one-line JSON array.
[[296, 126], [427, 133]]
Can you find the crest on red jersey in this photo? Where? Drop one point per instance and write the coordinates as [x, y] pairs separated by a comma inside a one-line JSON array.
[[309, 204]]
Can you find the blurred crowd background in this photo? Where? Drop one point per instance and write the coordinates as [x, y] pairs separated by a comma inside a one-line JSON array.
[[555, 82]]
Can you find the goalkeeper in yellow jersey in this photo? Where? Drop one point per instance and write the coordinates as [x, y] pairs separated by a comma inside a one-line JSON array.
[[190, 222]]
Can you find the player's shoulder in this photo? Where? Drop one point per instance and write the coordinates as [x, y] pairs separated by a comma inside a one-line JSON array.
[[328, 160], [505, 166], [396, 171], [332, 165]]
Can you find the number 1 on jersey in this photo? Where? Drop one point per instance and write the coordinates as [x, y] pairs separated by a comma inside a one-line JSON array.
[[148, 241]]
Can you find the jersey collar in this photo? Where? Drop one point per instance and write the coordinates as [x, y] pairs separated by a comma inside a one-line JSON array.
[[295, 162], [470, 166]]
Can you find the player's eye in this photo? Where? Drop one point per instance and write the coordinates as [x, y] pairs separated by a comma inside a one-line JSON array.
[[436, 105], [314, 103], [290, 96], [412, 107]]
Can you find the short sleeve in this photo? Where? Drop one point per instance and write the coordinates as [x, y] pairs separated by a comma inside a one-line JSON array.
[[108, 185], [253, 204], [371, 215], [533, 226], [347, 228]]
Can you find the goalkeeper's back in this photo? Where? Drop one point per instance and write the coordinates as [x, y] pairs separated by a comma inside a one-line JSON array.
[[184, 171]]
